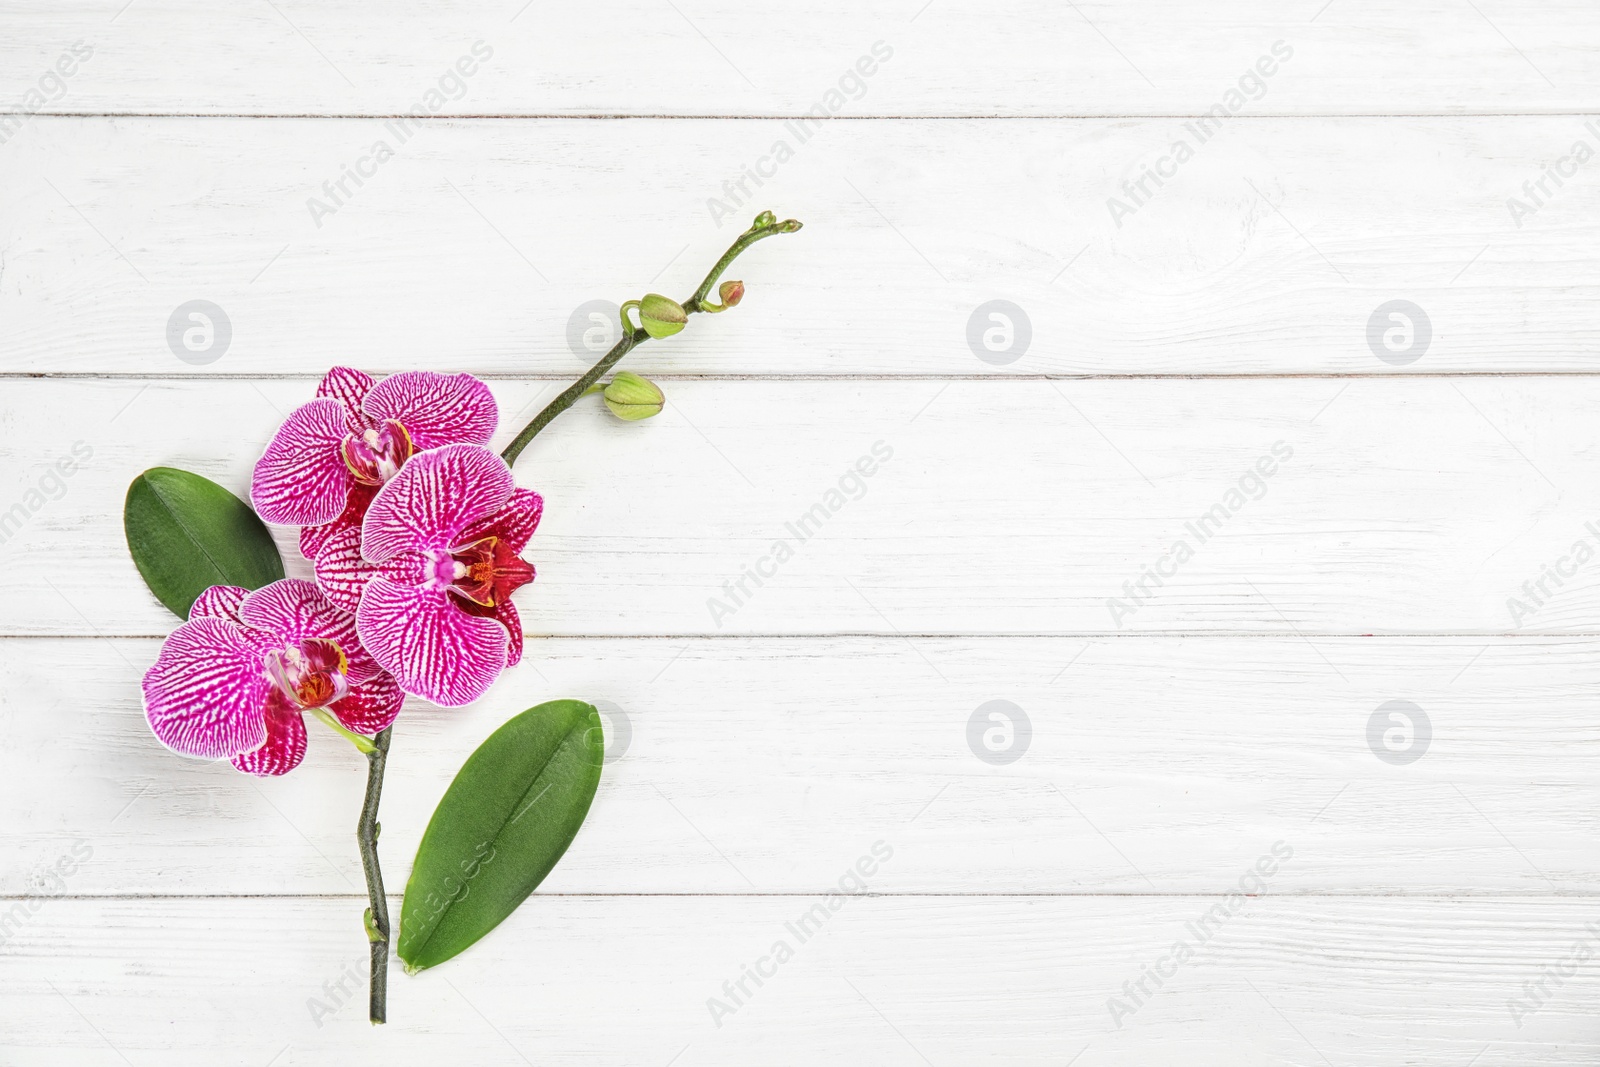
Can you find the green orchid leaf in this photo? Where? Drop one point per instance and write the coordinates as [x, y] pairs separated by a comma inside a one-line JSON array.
[[503, 824], [187, 533]]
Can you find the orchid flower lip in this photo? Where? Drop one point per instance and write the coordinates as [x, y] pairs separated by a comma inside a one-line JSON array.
[[487, 571], [311, 674], [376, 453]]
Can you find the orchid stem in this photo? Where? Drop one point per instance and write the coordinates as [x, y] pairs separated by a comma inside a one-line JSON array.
[[363, 744], [377, 917], [765, 226]]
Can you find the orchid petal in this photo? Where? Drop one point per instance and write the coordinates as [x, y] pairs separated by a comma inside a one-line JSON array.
[[435, 650], [433, 498], [436, 409], [312, 538], [506, 612], [294, 610], [206, 692], [341, 572], [514, 524], [301, 480], [371, 706], [219, 602], [285, 746], [350, 387]]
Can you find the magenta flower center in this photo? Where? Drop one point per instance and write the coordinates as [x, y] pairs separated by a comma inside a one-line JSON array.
[[485, 572], [312, 674], [375, 454]]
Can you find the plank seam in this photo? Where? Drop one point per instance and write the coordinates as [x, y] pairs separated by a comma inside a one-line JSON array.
[[822, 893], [670, 376], [783, 116], [1288, 635]]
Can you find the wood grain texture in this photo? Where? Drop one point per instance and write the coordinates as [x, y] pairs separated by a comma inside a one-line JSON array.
[[721, 58], [786, 715], [886, 981], [1151, 765], [476, 244], [1406, 506]]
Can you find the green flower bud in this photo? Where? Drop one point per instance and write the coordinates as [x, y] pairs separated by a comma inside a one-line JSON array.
[[661, 316], [789, 226], [632, 398], [766, 218]]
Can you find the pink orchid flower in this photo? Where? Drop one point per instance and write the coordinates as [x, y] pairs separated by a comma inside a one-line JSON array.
[[234, 681], [331, 455], [431, 573]]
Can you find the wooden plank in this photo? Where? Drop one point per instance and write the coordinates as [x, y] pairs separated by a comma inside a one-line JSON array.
[[751, 766], [479, 244], [715, 57], [1416, 505], [885, 981]]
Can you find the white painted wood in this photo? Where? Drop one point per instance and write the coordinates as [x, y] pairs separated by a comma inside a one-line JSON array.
[[1171, 746], [1153, 765], [474, 246], [889, 981], [1416, 505], [718, 57]]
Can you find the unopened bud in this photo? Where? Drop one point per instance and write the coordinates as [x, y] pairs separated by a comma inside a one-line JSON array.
[[766, 218], [661, 316], [789, 226], [632, 398], [730, 292]]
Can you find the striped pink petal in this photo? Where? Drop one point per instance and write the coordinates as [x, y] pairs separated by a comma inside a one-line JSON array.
[[371, 706], [435, 650], [312, 538], [506, 612], [514, 523], [435, 497], [206, 692], [293, 610], [350, 387], [301, 480], [219, 602], [284, 748], [435, 409], [341, 572]]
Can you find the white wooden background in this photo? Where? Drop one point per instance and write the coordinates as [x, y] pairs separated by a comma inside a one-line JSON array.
[[769, 752]]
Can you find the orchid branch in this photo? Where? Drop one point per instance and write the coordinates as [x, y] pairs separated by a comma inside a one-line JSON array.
[[766, 225], [377, 750]]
